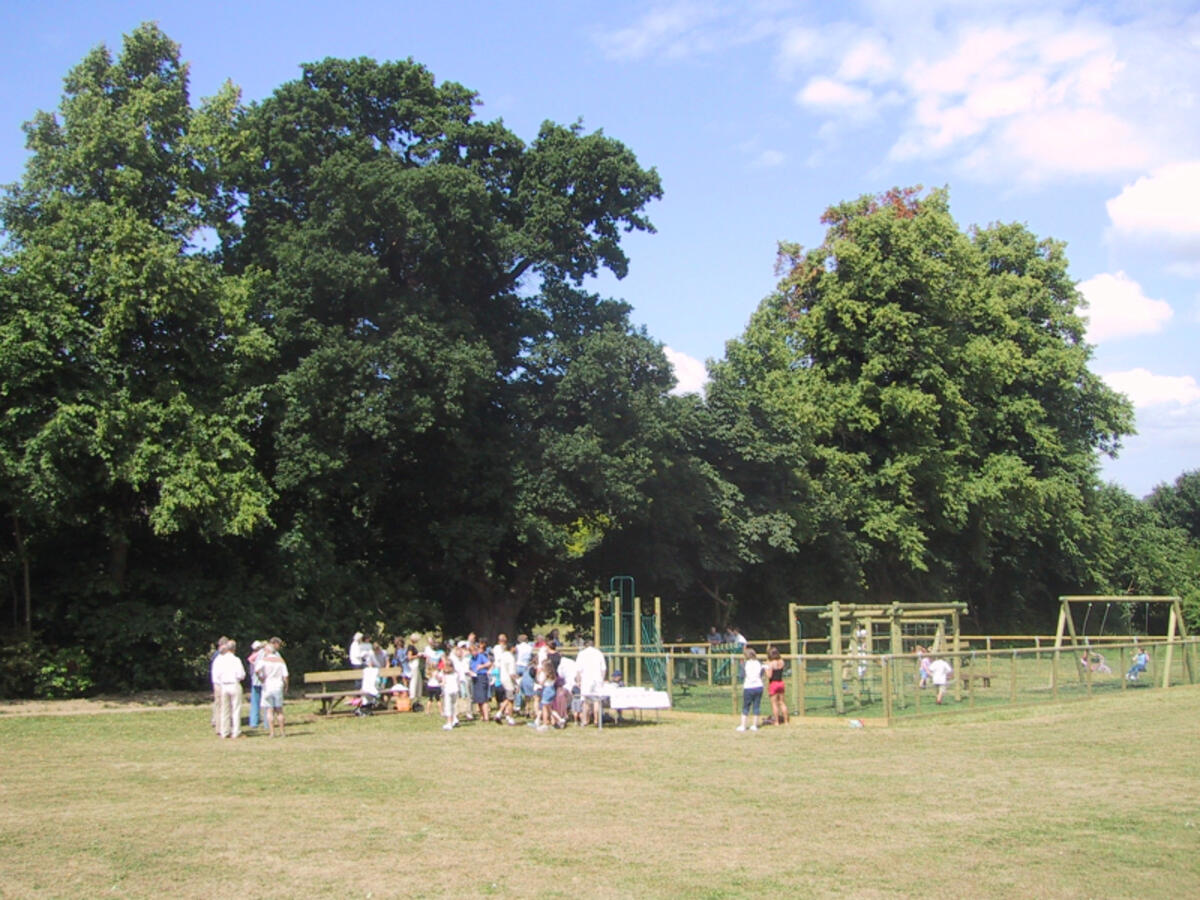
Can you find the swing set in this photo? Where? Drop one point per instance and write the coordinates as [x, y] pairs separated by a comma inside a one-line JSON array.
[[1090, 660], [858, 631]]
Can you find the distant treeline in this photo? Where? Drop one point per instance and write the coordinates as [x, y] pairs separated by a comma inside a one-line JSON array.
[[325, 363]]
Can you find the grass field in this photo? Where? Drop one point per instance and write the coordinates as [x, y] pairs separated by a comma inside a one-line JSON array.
[[1095, 799]]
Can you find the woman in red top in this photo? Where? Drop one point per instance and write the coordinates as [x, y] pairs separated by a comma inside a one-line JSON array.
[[775, 688]]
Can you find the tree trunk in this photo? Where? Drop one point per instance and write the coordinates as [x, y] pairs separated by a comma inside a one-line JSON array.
[[722, 606], [490, 613]]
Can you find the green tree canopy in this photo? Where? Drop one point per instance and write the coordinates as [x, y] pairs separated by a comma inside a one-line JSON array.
[[448, 411], [951, 424], [118, 339]]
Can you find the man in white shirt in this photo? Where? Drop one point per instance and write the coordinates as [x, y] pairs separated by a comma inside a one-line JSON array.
[[228, 673], [591, 668], [273, 672], [216, 688]]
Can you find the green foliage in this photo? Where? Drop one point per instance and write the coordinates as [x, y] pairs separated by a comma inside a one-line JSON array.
[[21, 662], [1178, 504], [64, 674], [939, 383], [324, 363]]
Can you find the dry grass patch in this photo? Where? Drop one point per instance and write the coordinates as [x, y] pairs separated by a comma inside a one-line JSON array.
[[1081, 800]]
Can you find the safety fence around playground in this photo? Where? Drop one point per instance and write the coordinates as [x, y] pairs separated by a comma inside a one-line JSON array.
[[885, 687]]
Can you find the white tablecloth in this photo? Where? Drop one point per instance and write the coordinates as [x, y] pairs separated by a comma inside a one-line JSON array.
[[635, 698]]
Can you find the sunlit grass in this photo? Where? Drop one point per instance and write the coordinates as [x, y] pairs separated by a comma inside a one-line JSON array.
[[1062, 800]]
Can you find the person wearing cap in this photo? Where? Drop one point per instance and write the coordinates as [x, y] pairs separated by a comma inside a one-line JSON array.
[[228, 673], [273, 674], [258, 649]]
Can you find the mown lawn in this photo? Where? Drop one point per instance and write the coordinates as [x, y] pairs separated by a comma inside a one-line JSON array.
[[1095, 799]]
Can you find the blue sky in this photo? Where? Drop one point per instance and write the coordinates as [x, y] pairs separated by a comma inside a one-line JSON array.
[[1081, 120]]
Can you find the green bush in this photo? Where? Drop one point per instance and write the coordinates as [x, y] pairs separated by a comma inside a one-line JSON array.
[[21, 659], [64, 674]]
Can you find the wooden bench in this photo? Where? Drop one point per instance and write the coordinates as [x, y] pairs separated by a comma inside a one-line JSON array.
[[979, 678], [330, 696], [683, 686]]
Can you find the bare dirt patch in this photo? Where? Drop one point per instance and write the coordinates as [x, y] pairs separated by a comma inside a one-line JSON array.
[[145, 701]]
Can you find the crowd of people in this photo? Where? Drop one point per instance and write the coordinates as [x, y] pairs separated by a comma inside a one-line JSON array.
[[463, 680], [473, 679], [498, 682]]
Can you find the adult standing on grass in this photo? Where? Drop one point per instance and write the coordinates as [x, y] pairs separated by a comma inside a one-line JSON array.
[[940, 671], [416, 682], [775, 686], [591, 668], [752, 689], [273, 672], [228, 673], [258, 651], [216, 688]]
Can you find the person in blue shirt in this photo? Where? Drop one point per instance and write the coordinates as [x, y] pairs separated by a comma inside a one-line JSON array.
[[481, 668], [1141, 660]]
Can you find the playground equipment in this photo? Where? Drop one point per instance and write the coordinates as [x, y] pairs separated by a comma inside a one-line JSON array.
[[1082, 643], [630, 639], [855, 629]]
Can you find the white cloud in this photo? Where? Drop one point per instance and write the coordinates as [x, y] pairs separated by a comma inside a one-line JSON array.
[[798, 48], [1165, 203], [1020, 93], [675, 30], [1026, 101], [832, 96], [688, 28], [690, 373], [869, 60], [1146, 389], [1117, 308], [1072, 142]]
